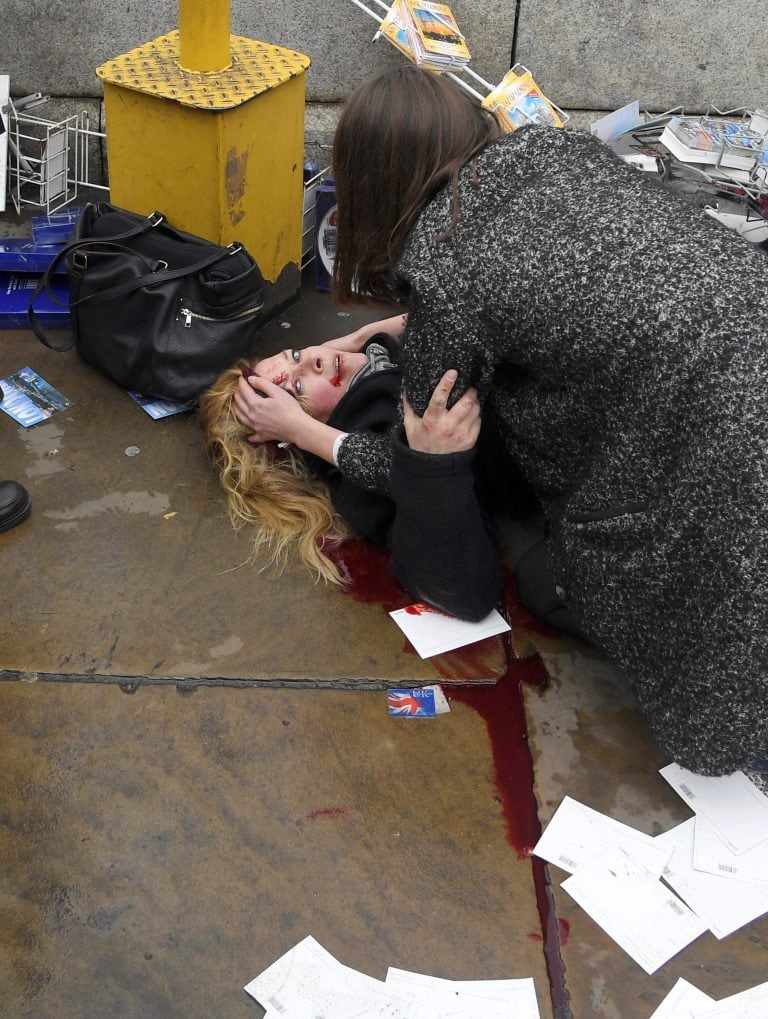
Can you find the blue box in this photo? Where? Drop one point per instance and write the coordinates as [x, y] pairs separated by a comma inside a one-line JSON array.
[[20, 254], [16, 291], [56, 228], [325, 234]]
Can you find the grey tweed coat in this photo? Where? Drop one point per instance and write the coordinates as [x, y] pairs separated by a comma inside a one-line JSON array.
[[618, 339]]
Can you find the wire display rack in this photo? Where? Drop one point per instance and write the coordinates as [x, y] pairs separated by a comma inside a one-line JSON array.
[[48, 160]]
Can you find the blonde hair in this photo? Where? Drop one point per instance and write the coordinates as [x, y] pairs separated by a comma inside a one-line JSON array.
[[270, 488]]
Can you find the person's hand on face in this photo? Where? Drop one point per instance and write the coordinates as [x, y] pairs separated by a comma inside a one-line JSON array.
[[268, 411], [441, 430], [318, 376]]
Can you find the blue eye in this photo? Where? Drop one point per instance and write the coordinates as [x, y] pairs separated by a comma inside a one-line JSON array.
[[296, 355], [298, 387]]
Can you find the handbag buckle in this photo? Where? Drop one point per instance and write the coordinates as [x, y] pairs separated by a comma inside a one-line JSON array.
[[79, 260], [234, 247], [160, 265], [156, 218]]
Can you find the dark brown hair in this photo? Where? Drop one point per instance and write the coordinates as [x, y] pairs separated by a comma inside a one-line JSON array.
[[402, 135]]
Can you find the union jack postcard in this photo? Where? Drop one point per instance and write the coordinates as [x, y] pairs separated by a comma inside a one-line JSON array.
[[420, 702]]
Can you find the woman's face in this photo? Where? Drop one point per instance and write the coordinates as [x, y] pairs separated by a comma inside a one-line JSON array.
[[320, 375]]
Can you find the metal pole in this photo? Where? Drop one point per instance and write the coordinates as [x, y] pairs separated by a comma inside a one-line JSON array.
[[204, 27]]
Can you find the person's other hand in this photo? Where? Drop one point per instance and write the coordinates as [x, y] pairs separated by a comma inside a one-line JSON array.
[[268, 410], [442, 430]]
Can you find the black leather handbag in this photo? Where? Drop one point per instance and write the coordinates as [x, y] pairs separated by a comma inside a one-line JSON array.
[[155, 309]]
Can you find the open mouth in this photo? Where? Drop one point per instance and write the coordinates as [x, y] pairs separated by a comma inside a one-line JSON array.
[[336, 378]]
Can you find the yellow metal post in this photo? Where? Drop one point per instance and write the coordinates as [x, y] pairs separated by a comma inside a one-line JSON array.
[[204, 35], [218, 151]]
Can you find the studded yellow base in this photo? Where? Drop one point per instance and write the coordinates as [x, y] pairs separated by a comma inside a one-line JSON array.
[[219, 153]]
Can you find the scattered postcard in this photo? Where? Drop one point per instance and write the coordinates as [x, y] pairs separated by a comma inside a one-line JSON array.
[[713, 856], [473, 999], [309, 976], [734, 805], [577, 833], [643, 917], [751, 1004], [29, 399], [308, 982], [156, 407], [725, 903], [433, 632], [684, 1001], [418, 702]]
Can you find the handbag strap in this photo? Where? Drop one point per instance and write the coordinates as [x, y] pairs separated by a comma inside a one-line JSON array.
[[153, 278], [44, 284]]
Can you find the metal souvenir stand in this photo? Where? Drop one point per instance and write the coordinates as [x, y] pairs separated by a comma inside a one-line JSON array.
[[48, 161]]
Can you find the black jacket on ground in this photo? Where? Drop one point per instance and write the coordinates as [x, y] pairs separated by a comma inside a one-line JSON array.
[[442, 543]]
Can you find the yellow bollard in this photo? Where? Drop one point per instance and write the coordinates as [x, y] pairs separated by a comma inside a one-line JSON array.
[[219, 151], [204, 35]]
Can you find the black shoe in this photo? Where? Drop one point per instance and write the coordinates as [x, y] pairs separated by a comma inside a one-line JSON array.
[[15, 504]]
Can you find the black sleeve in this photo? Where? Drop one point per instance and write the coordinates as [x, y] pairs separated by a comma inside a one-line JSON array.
[[442, 543]]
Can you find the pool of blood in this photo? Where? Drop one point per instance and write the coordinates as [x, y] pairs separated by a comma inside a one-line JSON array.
[[368, 579]]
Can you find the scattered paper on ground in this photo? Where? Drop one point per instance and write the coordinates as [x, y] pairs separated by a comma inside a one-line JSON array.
[[683, 1002], [432, 632], [751, 1004], [732, 804], [654, 895], [308, 982], [642, 916], [725, 903], [577, 833]]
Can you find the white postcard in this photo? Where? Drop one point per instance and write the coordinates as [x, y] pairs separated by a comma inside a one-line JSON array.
[[683, 1002], [733, 804], [433, 632], [643, 917], [473, 999], [309, 976], [712, 855], [751, 1004], [725, 903], [577, 833]]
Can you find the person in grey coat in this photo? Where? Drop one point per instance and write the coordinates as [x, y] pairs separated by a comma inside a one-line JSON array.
[[617, 338]]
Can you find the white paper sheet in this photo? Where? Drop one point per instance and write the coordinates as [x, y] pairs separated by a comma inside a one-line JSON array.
[[642, 916], [751, 1004], [308, 975], [432, 632], [733, 804], [683, 1002], [577, 833], [724, 903], [473, 999], [713, 856]]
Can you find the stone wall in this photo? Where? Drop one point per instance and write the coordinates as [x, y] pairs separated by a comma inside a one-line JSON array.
[[587, 56]]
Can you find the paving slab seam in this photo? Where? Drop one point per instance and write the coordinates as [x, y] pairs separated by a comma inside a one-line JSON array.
[[185, 683]]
